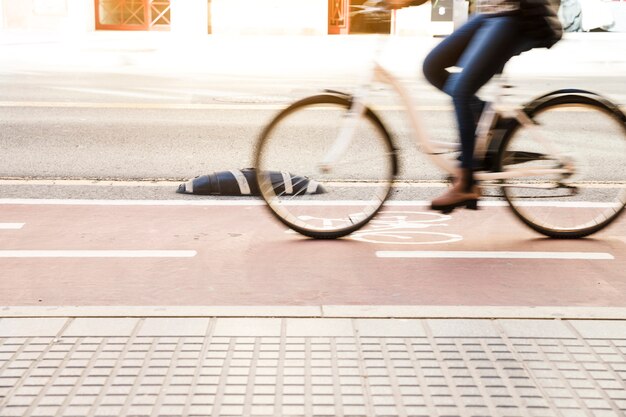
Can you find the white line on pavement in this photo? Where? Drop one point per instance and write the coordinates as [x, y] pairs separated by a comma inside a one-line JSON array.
[[93, 183], [495, 255], [156, 106], [252, 201], [60, 202], [11, 226], [184, 106], [97, 253]]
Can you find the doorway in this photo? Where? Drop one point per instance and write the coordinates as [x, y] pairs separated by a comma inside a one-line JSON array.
[[132, 14]]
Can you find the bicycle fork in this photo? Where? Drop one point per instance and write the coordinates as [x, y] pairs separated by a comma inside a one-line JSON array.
[[346, 133], [349, 123]]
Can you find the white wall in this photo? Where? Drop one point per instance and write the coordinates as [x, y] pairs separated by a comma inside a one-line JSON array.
[[270, 17], [81, 16], [189, 17], [61, 15], [413, 20]]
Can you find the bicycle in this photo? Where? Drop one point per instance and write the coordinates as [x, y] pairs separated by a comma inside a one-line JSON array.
[[536, 154]]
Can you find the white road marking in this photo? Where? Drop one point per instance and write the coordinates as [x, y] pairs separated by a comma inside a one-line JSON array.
[[166, 106], [189, 106], [169, 183], [496, 255], [11, 226], [60, 202], [502, 203], [97, 253], [256, 201], [94, 183], [405, 237], [185, 106]]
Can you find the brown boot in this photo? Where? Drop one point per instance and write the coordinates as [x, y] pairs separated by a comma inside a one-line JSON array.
[[464, 192]]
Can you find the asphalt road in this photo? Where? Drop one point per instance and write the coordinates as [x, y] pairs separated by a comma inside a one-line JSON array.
[[118, 137], [138, 127]]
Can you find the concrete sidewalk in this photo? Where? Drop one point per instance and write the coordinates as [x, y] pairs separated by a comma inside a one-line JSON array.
[[230, 362], [602, 54]]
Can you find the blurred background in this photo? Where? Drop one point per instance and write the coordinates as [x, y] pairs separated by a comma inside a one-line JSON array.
[[312, 17], [164, 90]]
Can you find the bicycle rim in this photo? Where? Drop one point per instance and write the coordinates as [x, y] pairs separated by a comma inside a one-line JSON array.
[[584, 138], [298, 193]]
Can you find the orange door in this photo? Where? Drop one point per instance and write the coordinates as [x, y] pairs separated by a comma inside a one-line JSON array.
[[132, 14], [338, 17]]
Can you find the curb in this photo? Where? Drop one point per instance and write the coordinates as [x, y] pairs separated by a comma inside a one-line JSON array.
[[322, 312]]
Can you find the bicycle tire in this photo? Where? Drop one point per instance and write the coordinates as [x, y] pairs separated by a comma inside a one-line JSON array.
[[588, 199], [294, 143]]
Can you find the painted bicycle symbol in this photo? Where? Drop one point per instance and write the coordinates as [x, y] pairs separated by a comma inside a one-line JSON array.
[[406, 228], [403, 228]]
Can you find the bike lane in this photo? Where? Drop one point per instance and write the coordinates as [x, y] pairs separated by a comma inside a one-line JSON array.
[[209, 252]]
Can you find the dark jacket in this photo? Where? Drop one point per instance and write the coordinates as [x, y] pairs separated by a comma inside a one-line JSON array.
[[540, 22]]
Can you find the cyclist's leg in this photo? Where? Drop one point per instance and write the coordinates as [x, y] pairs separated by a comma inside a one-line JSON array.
[[447, 54], [493, 44], [490, 47]]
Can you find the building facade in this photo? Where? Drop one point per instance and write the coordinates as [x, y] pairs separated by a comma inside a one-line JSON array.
[[268, 17]]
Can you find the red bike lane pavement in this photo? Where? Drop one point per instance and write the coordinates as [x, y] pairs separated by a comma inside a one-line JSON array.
[[226, 253]]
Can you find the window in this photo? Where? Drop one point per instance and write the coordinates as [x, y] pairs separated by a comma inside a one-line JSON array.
[[133, 14]]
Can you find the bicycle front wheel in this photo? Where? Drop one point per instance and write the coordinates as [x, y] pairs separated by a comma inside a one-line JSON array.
[[569, 167], [309, 200]]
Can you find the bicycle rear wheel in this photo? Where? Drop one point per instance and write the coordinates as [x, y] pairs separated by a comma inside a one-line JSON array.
[[315, 203], [584, 137]]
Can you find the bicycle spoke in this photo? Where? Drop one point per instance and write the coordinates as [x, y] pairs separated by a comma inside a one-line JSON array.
[[299, 192]]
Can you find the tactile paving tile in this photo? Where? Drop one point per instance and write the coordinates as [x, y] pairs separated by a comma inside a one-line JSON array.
[[427, 373]]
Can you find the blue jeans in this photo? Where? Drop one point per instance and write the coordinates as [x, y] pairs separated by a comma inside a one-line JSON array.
[[480, 47]]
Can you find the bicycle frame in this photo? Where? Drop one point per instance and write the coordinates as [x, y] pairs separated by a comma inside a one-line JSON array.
[[435, 149]]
